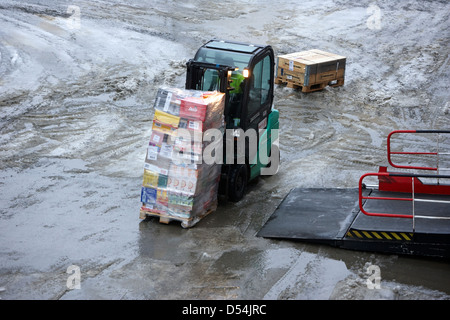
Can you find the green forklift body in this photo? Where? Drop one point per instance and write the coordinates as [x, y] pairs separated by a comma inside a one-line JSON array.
[[245, 73]]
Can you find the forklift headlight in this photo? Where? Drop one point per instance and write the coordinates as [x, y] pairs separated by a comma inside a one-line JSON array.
[[246, 73]]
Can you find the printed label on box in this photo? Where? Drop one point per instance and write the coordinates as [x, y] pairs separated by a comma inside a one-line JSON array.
[[156, 138], [193, 109], [152, 152], [189, 186], [161, 197], [194, 125], [150, 179], [167, 103], [166, 150], [163, 128], [162, 98], [177, 198], [166, 118], [155, 168], [176, 185], [162, 181], [149, 206], [148, 195]]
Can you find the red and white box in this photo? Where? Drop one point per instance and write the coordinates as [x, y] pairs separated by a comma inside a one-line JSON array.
[[193, 109]]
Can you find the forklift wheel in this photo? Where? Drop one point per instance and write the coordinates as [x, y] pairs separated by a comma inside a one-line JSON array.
[[237, 182]]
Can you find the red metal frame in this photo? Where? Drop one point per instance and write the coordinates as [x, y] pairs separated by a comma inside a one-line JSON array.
[[403, 183], [361, 198], [389, 152]]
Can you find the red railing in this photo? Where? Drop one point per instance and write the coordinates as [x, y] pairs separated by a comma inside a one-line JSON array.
[[408, 184], [415, 187], [379, 214], [436, 153]]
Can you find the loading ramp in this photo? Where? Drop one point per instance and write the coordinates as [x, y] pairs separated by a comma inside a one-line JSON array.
[[333, 217], [401, 215]]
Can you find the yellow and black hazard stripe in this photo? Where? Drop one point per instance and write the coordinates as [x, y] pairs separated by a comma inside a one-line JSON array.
[[379, 235]]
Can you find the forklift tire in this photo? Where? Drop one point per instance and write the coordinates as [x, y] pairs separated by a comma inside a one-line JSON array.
[[237, 182]]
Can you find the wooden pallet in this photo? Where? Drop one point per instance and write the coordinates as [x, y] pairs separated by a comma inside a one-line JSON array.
[[311, 88], [166, 219]]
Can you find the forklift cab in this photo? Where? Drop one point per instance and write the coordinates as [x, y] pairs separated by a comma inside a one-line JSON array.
[[245, 73]]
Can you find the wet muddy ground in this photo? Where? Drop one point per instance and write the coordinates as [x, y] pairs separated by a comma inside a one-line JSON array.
[[77, 83]]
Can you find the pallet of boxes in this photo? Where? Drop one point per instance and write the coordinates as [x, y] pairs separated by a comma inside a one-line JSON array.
[[310, 70], [177, 184]]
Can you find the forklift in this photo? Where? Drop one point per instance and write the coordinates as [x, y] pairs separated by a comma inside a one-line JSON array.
[[245, 74]]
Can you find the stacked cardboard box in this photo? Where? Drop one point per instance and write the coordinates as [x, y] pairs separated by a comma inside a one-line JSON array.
[[177, 184], [312, 69]]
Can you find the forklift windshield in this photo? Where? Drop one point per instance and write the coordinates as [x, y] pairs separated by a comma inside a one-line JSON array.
[[238, 60], [216, 55], [225, 58]]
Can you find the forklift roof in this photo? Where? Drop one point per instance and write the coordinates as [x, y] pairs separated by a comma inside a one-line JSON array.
[[232, 46]]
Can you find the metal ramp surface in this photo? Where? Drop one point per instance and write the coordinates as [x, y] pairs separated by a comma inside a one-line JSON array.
[[313, 214], [333, 217]]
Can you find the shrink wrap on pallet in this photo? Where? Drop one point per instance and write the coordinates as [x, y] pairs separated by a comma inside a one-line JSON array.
[[177, 184]]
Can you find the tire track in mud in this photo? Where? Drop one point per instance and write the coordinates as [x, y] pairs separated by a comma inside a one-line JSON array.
[[320, 131], [330, 137], [96, 109], [97, 134]]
